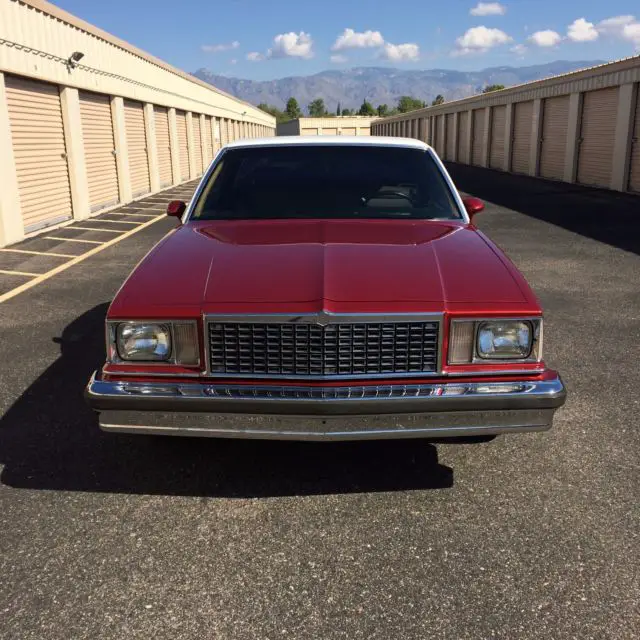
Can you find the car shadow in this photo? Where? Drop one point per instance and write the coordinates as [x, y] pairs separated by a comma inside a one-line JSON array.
[[49, 439], [607, 216]]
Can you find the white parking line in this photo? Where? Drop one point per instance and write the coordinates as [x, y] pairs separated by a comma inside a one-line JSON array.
[[76, 260], [19, 273], [74, 239], [74, 228], [116, 221], [40, 253]]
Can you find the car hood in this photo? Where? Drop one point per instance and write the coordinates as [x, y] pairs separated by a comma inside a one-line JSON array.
[[338, 265]]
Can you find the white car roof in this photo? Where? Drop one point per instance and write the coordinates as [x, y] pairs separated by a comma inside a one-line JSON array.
[[367, 141]]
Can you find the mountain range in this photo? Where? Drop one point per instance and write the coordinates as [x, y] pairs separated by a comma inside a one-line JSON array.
[[382, 85]]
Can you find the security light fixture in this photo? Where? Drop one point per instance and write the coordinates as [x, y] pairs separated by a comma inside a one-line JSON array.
[[74, 58]]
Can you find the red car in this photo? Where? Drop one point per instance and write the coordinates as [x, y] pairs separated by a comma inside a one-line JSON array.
[[325, 288]]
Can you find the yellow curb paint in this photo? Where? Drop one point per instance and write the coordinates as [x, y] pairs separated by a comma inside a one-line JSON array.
[[81, 258]]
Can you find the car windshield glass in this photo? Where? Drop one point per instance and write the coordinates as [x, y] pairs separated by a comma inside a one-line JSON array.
[[333, 181]]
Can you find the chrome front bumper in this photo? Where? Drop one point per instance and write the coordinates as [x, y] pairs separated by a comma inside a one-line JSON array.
[[326, 413]]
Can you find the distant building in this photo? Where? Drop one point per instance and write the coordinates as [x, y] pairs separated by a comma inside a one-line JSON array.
[[335, 126]]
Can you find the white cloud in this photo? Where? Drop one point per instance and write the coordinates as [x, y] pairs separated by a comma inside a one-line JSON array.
[[546, 38], [217, 48], [233, 61], [632, 32], [350, 39], [400, 52], [488, 9], [479, 40], [615, 26], [338, 59], [582, 31], [254, 56], [519, 49], [291, 45]]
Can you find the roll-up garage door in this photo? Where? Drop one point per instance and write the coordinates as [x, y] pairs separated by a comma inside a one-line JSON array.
[[346, 131], [634, 170], [330, 132], [521, 145], [451, 137], [553, 146], [463, 133], [208, 138], [597, 134], [498, 120], [197, 143], [99, 150], [137, 148], [478, 137], [183, 145], [364, 131], [37, 135], [163, 146]]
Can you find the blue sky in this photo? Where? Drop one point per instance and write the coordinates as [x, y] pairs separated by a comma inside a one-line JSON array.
[[265, 40]]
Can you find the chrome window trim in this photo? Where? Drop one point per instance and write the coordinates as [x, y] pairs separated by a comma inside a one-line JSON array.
[[534, 357], [110, 329], [330, 318]]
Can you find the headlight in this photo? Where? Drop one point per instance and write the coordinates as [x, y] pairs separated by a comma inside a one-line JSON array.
[[170, 342], [502, 339], [498, 340], [137, 341]]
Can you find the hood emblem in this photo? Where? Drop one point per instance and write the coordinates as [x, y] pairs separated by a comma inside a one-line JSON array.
[[322, 319]]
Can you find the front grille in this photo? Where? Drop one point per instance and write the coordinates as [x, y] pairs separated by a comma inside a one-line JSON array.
[[308, 350]]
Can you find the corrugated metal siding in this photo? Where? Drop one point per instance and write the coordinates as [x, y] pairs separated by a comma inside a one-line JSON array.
[[99, 150], [163, 145], [208, 136], [137, 148], [197, 143], [521, 145], [597, 134], [498, 123], [183, 144], [37, 135], [634, 170], [477, 137], [553, 146], [451, 138], [463, 132]]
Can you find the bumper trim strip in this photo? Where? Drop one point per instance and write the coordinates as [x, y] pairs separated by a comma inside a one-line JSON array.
[[335, 412]]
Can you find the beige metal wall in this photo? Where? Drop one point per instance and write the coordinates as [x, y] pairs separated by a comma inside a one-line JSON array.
[[76, 139], [338, 126], [579, 127]]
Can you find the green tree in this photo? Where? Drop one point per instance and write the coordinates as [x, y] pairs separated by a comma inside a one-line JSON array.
[[316, 108], [292, 109], [383, 110], [338, 111], [437, 100], [493, 87], [366, 109], [347, 112], [279, 115], [408, 103]]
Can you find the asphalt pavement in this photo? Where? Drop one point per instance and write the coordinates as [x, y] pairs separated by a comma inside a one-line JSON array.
[[526, 537]]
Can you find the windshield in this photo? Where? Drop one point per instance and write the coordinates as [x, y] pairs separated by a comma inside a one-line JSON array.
[[257, 183]]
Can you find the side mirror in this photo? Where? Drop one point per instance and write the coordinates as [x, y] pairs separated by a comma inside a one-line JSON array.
[[176, 208], [473, 206]]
